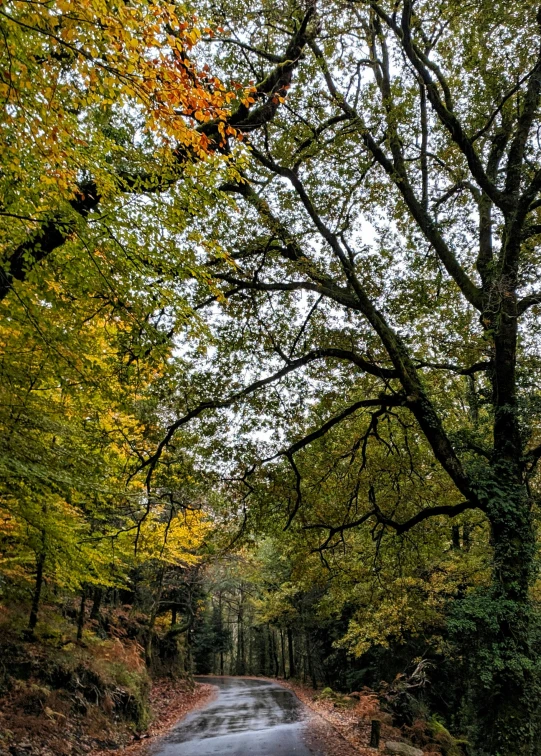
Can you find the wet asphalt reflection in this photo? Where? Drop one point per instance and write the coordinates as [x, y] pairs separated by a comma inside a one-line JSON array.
[[248, 718]]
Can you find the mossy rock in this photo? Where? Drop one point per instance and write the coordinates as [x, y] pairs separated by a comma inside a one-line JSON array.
[[339, 700], [344, 702], [402, 749], [327, 694], [450, 745]]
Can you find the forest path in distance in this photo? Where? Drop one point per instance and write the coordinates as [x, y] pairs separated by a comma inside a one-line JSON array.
[[249, 717]]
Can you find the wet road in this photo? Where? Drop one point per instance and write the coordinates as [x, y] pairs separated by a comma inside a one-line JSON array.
[[248, 718]]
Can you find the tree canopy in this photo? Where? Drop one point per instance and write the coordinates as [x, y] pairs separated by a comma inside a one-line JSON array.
[[270, 288]]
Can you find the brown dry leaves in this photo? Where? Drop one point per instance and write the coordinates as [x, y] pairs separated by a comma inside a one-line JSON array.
[[353, 724], [170, 701]]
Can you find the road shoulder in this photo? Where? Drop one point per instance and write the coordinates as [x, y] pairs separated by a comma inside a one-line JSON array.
[[170, 703]]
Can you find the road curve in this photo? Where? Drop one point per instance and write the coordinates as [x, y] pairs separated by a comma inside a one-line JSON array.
[[247, 718]]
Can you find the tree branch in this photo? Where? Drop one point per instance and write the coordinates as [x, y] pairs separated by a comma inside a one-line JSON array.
[[202, 407], [528, 301], [478, 367], [52, 234], [271, 89], [396, 171], [450, 510], [338, 293], [393, 400], [417, 399], [443, 108]]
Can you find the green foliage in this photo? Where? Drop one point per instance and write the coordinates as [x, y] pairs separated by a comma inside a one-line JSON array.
[[450, 746], [317, 348], [480, 652]]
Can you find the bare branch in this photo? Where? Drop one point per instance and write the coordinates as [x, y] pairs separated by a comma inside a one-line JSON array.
[[478, 367], [202, 407], [271, 57], [396, 171], [526, 302], [393, 400], [451, 511]]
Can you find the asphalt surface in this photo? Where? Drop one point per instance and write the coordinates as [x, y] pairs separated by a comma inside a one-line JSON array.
[[247, 718]]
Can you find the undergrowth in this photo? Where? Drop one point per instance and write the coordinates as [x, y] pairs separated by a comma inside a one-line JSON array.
[[61, 696]]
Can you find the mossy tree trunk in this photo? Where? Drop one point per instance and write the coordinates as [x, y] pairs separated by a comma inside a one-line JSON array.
[[507, 702], [508, 729]]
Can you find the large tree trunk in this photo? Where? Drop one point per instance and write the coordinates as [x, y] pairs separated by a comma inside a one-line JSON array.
[[506, 709], [250, 663], [241, 662], [221, 627], [274, 655], [310, 661], [152, 619], [466, 536], [507, 704]]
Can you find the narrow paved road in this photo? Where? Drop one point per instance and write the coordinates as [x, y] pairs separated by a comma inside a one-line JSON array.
[[248, 718]]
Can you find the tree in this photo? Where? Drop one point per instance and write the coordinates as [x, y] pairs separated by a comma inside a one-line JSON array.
[[71, 413], [113, 140], [102, 108], [387, 248]]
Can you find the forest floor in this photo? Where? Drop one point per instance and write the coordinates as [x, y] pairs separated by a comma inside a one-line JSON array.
[[47, 733], [62, 697], [352, 724], [169, 703]]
